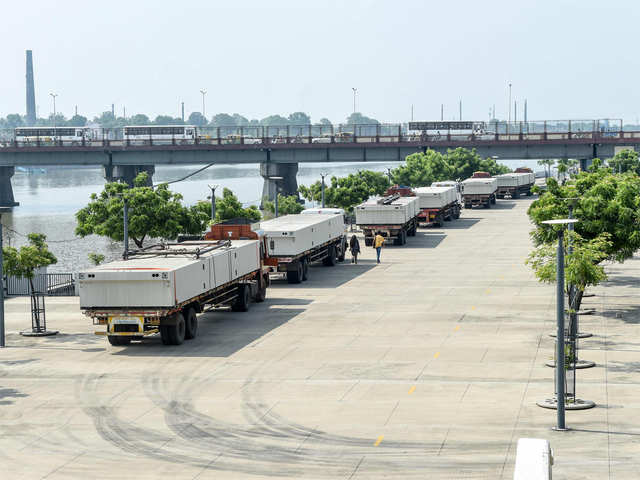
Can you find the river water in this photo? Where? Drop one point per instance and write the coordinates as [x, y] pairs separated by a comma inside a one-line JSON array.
[[50, 197]]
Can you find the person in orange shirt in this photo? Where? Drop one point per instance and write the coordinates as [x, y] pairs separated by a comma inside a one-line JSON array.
[[378, 242]]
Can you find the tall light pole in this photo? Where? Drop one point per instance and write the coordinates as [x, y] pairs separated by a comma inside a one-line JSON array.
[[203, 92], [323, 175], [54, 95], [354, 98], [2, 344], [276, 180], [213, 201], [509, 102]]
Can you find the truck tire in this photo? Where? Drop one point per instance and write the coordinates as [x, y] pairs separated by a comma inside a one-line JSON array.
[[164, 334], [261, 294], [305, 269], [191, 324], [118, 341], [343, 253], [487, 204], [330, 259], [241, 303], [500, 196], [439, 221], [493, 200], [368, 242], [295, 276], [528, 193], [403, 237], [456, 213], [467, 205], [176, 332], [515, 195]]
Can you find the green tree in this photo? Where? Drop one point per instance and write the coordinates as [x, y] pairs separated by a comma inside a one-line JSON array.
[[96, 258], [239, 120], [197, 119], [625, 161], [223, 120], [547, 163], [153, 212], [14, 120], [274, 121], [347, 192], [139, 119], [229, 207], [324, 121], [357, 118], [24, 262], [607, 205], [287, 205], [77, 121], [165, 120], [464, 162], [299, 118], [422, 169]]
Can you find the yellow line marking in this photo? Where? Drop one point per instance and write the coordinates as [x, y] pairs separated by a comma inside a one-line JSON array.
[[412, 389], [457, 328], [437, 354], [378, 441]]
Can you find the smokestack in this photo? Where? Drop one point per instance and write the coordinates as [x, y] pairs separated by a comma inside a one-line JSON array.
[[113, 109], [31, 91], [182, 112]]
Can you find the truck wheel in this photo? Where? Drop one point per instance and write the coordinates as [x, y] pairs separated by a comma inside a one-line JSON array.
[[368, 242], [118, 341], [305, 269], [261, 294], [500, 196], [487, 204], [295, 276], [515, 195], [191, 324], [330, 259], [493, 200], [242, 302], [403, 237], [164, 335], [467, 205], [456, 213], [529, 193], [343, 253], [177, 332], [439, 221]]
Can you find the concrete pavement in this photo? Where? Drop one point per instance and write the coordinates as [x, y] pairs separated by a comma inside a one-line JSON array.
[[425, 366]]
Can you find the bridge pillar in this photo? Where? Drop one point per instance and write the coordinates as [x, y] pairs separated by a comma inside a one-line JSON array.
[[287, 186], [128, 173], [6, 190]]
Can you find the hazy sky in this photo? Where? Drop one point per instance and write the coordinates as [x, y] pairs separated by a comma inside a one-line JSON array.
[[570, 59]]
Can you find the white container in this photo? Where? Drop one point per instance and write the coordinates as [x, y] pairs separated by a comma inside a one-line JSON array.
[[512, 179], [398, 212], [480, 186], [435, 197], [292, 235], [163, 282]]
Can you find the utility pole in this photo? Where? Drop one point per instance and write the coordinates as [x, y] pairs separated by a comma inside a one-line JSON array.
[[460, 109], [113, 109], [182, 112], [412, 112], [323, 175], [441, 111], [54, 95], [509, 102], [126, 228], [515, 110], [525, 110], [2, 341], [389, 174], [76, 114], [124, 112], [213, 201], [203, 92], [354, 98]]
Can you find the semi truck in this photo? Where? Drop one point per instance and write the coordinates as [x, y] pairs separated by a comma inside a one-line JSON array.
[[295, 241], [394, 217], [162, 288], [479, 191], [451, 183], [514, 184], [437, 204]]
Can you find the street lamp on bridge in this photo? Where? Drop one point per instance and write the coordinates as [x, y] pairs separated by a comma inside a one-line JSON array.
[[54, 95], [354, 98], [203, 92]]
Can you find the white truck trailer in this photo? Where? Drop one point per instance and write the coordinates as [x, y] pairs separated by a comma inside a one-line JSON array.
[[515, 184], [394, 217], [479, 191], [162, 288], [451, 183], [295, 241], [437, 204]]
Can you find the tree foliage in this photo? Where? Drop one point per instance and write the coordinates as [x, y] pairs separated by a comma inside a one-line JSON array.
[[23, 262], [287, 205], [153, 212], [347, 192], [625, 161], [229, 207], [96, 258], [422, 169]]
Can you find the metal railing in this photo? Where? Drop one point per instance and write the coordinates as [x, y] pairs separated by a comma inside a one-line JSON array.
[[51, 284], [262, 135]]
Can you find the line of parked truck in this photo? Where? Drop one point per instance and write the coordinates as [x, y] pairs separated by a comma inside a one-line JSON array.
[[162, 288]]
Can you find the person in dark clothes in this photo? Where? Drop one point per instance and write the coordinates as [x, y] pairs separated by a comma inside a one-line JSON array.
[[354, 246]]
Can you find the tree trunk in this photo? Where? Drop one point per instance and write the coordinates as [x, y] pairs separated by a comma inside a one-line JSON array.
[[36, 313], [138, 242]]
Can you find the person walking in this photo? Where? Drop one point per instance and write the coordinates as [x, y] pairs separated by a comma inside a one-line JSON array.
[[354, 246], [378, 242]]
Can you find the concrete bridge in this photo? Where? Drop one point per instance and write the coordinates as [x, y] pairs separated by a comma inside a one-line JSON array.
[[279, 154]]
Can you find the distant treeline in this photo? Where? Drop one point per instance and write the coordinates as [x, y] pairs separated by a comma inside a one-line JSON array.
[[109, 120]]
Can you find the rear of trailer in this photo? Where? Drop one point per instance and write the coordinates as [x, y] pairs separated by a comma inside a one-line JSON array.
[[437, 205], [514, 184], [393, 217], [479, 191]]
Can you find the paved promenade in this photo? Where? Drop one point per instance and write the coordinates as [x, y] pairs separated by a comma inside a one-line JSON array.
[[425, 366]]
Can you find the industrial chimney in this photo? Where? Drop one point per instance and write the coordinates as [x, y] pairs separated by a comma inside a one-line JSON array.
[[31, 91]]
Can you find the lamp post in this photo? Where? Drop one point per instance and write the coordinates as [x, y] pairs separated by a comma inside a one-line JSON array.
[[203, 92], [2, 342], [213, 201], [509, 103], [54, 95], [125, 215], [276, 180], [354, 98], [323, 175]]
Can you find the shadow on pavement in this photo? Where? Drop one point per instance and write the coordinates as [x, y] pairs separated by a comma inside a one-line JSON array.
[[427, 239], [329, 277], [8, 393]]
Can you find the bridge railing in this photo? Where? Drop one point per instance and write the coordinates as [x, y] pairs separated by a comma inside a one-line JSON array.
[[494, 131]]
